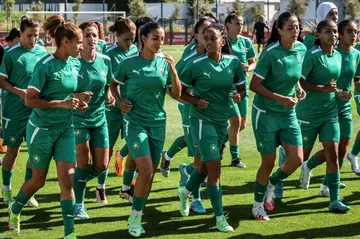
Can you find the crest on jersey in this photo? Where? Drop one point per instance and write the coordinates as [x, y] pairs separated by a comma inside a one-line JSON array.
[[36, 158], [136, 146], [103, 73], [229, 71], [161, 70], [299, 58], [78, 132], [213, 148], [305, 139], [261, 145], [12, 139]]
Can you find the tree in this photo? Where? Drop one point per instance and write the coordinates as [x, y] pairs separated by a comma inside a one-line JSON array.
[[37, 7], [9, 8], [137, 8], [298, 7], [198, 8], [175, 15], [239, 7], [257, 11], [76, 8], [352, 8]]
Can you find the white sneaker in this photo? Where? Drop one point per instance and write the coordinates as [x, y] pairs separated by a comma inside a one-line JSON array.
[[32, 202], [305, 176], [259, 213], [324, 191], [354, 162], [269, 198]]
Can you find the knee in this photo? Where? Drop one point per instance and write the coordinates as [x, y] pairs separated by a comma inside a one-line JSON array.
[[37, 184], [12, 153], [147, 173], [267, 164]]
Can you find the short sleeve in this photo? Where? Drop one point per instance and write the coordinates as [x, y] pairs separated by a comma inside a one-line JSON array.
[[109, 76], [6, 66], [186, 77], [251, 50], [120, 73], [308, 65], [169, 79], [240, 76], [39, 77], [263, 67], [357, 74]]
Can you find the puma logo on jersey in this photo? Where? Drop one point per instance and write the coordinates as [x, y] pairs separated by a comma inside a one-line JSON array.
[[103, 73], [279, 61], [137, 72], [19, 60], [207, 74], [324, 65]]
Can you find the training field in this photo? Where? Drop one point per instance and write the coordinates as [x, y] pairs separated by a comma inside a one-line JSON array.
[[301, 214]]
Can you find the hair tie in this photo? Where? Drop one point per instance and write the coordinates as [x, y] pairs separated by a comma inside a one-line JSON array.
[[61, 24]]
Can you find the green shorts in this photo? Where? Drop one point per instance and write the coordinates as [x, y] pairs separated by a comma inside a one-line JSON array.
[[185, 119], [272, 130], [241, 108], [13, 132], [144, 140], [43, 144], [208, 138], [98, 137], [115, 126], [345, 121], [328, 130]]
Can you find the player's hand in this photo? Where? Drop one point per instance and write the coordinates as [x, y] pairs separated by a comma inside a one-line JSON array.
[[288, 102], [71, 104], [171, 62], [330, 87], [125, 106], [82, 106], [110, 101], [236, 97], [84, 96], [301, 94], [357, 85], [202, 104], [344, 96], [23, 93], [245, 67]]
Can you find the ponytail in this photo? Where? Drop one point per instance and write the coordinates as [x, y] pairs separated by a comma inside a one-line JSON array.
[[100, 26], [122, 25]]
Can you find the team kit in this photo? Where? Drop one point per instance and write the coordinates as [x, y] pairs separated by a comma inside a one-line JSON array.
[[73, 105]]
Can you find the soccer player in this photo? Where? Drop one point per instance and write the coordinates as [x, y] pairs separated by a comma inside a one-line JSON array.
[[211, 77], [12, 39], [259, 32], [49, 132], [318, 112], [101, 45], [326, 10], [15, 74], [125, 31], [243, 48], [275, 79], [92, 137], [357, 46], [148, 76]]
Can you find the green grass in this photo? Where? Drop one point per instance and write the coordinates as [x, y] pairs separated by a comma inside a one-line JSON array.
[[301, 214]]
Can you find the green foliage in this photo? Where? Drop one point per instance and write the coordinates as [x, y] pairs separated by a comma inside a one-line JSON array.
[[76, 8], [352, 8], [137, 8], [257, 11], [176, 12], [298, 7], [198, 8], [239, 7]]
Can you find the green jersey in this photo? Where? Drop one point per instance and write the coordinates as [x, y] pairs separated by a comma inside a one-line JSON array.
[[280, 70], [146, 82], [189, 48], [212, 81], [350, 68], [319, 68], [93, 76], [309, 41], [54, 80], [40, 42], [101, 46], [18, 67], [6, 49], [357, 46], [116, 56]]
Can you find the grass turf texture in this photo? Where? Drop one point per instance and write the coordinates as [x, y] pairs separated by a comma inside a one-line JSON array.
[[301, 214]]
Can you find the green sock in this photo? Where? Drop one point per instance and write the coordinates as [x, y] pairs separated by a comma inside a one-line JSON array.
[[341, 162], [93, 173], [139, 203], [80, 179], [312, 162], [124, 151], [195, 180], [7, 177], [20, 202], [28, 173], [102, 177], [128, 177], [215, 195], [234, 151], [190, 168], [259, 192], [68, 215], [176, 146], [356, 148], [324, 181], [277, 176], [333, 180], [196, 192]]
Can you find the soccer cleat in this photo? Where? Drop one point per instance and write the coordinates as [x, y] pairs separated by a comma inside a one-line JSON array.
[[7, 197], [184, 202], [204, 183], [101, 196], [197, 206], [128, 195], [342, 185], [71, 236], [237, 163], [354, 162], [305, 176], [223, 226], [279, 190], [259, 213], [14, 220], [324, 191], [80, 212], [338, 207], [269, 198], [135, 229], [3, 148], [184, 176], [119, 160], [165, 165], [1, 161], [32, 202]]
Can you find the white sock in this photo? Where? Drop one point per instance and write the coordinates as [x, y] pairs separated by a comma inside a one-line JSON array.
[[256, 204], [125, 187], [139, 213], [100, 186], [6, 188], [323, 187], [219, 217], [80, 204], [187, 192], [167, 156]]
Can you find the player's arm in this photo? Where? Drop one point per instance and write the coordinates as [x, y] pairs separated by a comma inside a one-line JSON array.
[[32, 100], [173, 80], [5, 71], [120, 78]]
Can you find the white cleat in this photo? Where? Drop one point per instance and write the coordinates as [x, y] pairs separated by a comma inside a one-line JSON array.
[[305, 176], [324, 191], [259, 213], [354, 162], [269, 198], [32, 202]]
